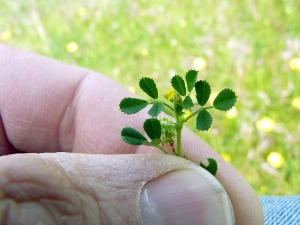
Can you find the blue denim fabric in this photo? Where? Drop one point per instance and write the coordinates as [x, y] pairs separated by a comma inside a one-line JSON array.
[[281, 209]]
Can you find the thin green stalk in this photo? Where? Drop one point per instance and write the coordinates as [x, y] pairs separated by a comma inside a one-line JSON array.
[[170, 107], [178, 128], [178, 133], [196, 112], [164, 150]]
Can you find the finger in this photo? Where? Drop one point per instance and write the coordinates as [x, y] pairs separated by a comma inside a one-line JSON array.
[[66, 188], [245, 202], [82, 121], [48, 105]]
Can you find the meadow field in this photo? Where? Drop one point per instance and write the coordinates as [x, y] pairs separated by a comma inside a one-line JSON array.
[[250, 46]]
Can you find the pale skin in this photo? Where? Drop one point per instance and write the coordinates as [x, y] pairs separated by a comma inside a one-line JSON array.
[[48, 106]]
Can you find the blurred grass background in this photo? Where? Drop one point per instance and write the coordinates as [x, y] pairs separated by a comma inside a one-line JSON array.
[[250, 46]]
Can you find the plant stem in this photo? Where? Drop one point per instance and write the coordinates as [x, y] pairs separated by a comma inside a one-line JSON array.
[[178, 128], [178, 133], [170, 107], [164, 150], [196, 112]]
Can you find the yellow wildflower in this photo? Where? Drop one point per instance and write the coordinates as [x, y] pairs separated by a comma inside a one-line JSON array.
[[182, 23], [226, 157], [295, 64], [72, 47], [170, 94], [265, 124], [82, 11], [144, 51], [288, 10], [199, 63], [187, 113], [263, 189], [275, 159], [296, 103], [6, 35], [232, 113]]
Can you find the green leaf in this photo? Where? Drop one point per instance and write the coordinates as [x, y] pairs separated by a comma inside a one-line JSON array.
[[187, 102], [149, 87], [212, 166], [191, 77], [178, 84], [152, 128], [154, 142], [225, 100], [156, 109], [132, 136], [204, 120], [132, 105], [202, 89]]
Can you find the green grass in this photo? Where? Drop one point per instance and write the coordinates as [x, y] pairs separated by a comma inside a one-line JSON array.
[[247, 46]]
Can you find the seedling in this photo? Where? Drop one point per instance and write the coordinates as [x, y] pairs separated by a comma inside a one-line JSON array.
[[164, 131]]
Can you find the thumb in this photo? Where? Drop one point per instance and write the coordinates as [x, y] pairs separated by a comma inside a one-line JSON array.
[[69, 188]]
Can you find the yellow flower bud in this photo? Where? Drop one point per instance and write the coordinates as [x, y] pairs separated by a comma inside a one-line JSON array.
[[296, 103], [265, 124], [170, 94], [199, 63], [232, 113], [263, 189], [6, 35], [72, 47], [187, 113], [82, 11], [275, 159], [226, 157], [295, 64]]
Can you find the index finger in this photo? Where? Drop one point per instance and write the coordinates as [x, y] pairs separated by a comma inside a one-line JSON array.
[[47, 106]]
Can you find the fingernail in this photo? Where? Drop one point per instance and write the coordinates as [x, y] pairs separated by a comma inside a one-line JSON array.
[[185, 197]]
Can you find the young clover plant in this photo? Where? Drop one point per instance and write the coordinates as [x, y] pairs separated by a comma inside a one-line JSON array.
[[164, 131]]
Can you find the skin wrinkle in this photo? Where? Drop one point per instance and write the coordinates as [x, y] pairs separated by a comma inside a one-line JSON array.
[[18, 202], [31, 182], [107, 200], [97, 122], [30, 103], [107, 205], [26, 98], [7, 206], [10, 148], [87, 198], [55, 202], [82, 192], [5, 146], [7, 93], [103, 197], [28, 126], [80, 94], [91, 191], [56, 209], [5, 58], [15, 214], [70, 112], [19, 136], [49, 164]]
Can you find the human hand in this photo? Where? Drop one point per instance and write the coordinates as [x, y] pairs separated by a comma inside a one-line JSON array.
[[47, 106]]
